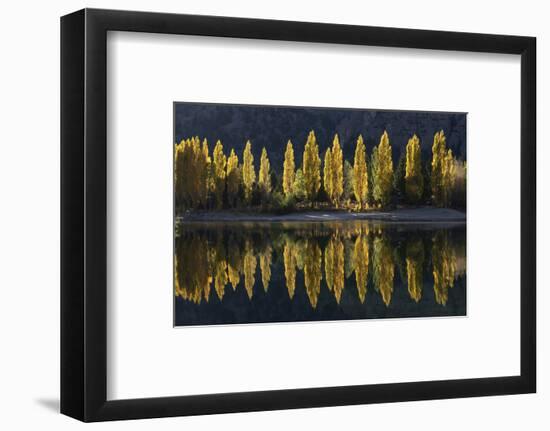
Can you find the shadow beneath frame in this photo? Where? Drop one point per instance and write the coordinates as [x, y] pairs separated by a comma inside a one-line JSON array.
[[51, 404]]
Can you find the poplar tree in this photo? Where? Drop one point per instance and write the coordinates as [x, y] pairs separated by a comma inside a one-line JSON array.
[[399, 177], [311, 168], [414, 180], [327, 174], [383, 171], [205, 174], [248, 174], [289, 170], [299, 186], [449, 176], [372, 169], [348, 180], [219, 173], [178, 173], [195, 172], [337, 171], [233, 178], [264, 180], [360, 173], [443, 170]]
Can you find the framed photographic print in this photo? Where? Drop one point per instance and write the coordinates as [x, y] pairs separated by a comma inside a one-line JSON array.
[[262, 215]]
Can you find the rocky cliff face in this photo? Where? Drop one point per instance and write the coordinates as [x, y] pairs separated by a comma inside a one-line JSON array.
[[272, 126]]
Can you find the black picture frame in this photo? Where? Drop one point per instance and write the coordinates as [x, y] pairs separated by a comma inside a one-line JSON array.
[[84, 214]]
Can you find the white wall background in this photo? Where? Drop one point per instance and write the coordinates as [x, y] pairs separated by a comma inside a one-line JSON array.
[[29, 228]]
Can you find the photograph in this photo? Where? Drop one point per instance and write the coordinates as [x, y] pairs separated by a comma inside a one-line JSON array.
[[300, 214]]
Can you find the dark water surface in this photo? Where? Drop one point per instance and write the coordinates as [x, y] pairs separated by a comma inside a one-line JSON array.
[[309, 271]]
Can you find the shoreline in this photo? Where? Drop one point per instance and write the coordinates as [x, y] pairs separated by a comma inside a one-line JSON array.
[[400, 215]]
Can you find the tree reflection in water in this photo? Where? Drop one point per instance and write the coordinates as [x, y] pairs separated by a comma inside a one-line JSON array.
[[306, 258]]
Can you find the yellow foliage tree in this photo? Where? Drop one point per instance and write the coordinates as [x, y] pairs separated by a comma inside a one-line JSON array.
[[383, 171], [414, 180], [289, 168], [311, 168], [327, 174], [337, 171], [264, 180], [219, 173], [443, 171], [248, 173], [178, 174], [204, 174], [360, 173], [191, 173], [233, 178], [449, 176]]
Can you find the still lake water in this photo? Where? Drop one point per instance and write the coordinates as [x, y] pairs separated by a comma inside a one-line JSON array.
[[251, 272]]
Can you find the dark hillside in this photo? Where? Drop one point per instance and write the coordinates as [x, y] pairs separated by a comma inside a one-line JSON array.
[[272, 126]]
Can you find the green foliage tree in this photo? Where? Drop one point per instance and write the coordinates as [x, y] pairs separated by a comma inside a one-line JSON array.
[[383, 171], [459, 191], [248, 173], [289, 168], [399, 178], [311, 168], [360, 173], [299, 186]]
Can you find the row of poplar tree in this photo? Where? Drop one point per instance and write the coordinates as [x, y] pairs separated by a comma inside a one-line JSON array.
[[220, 181]]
